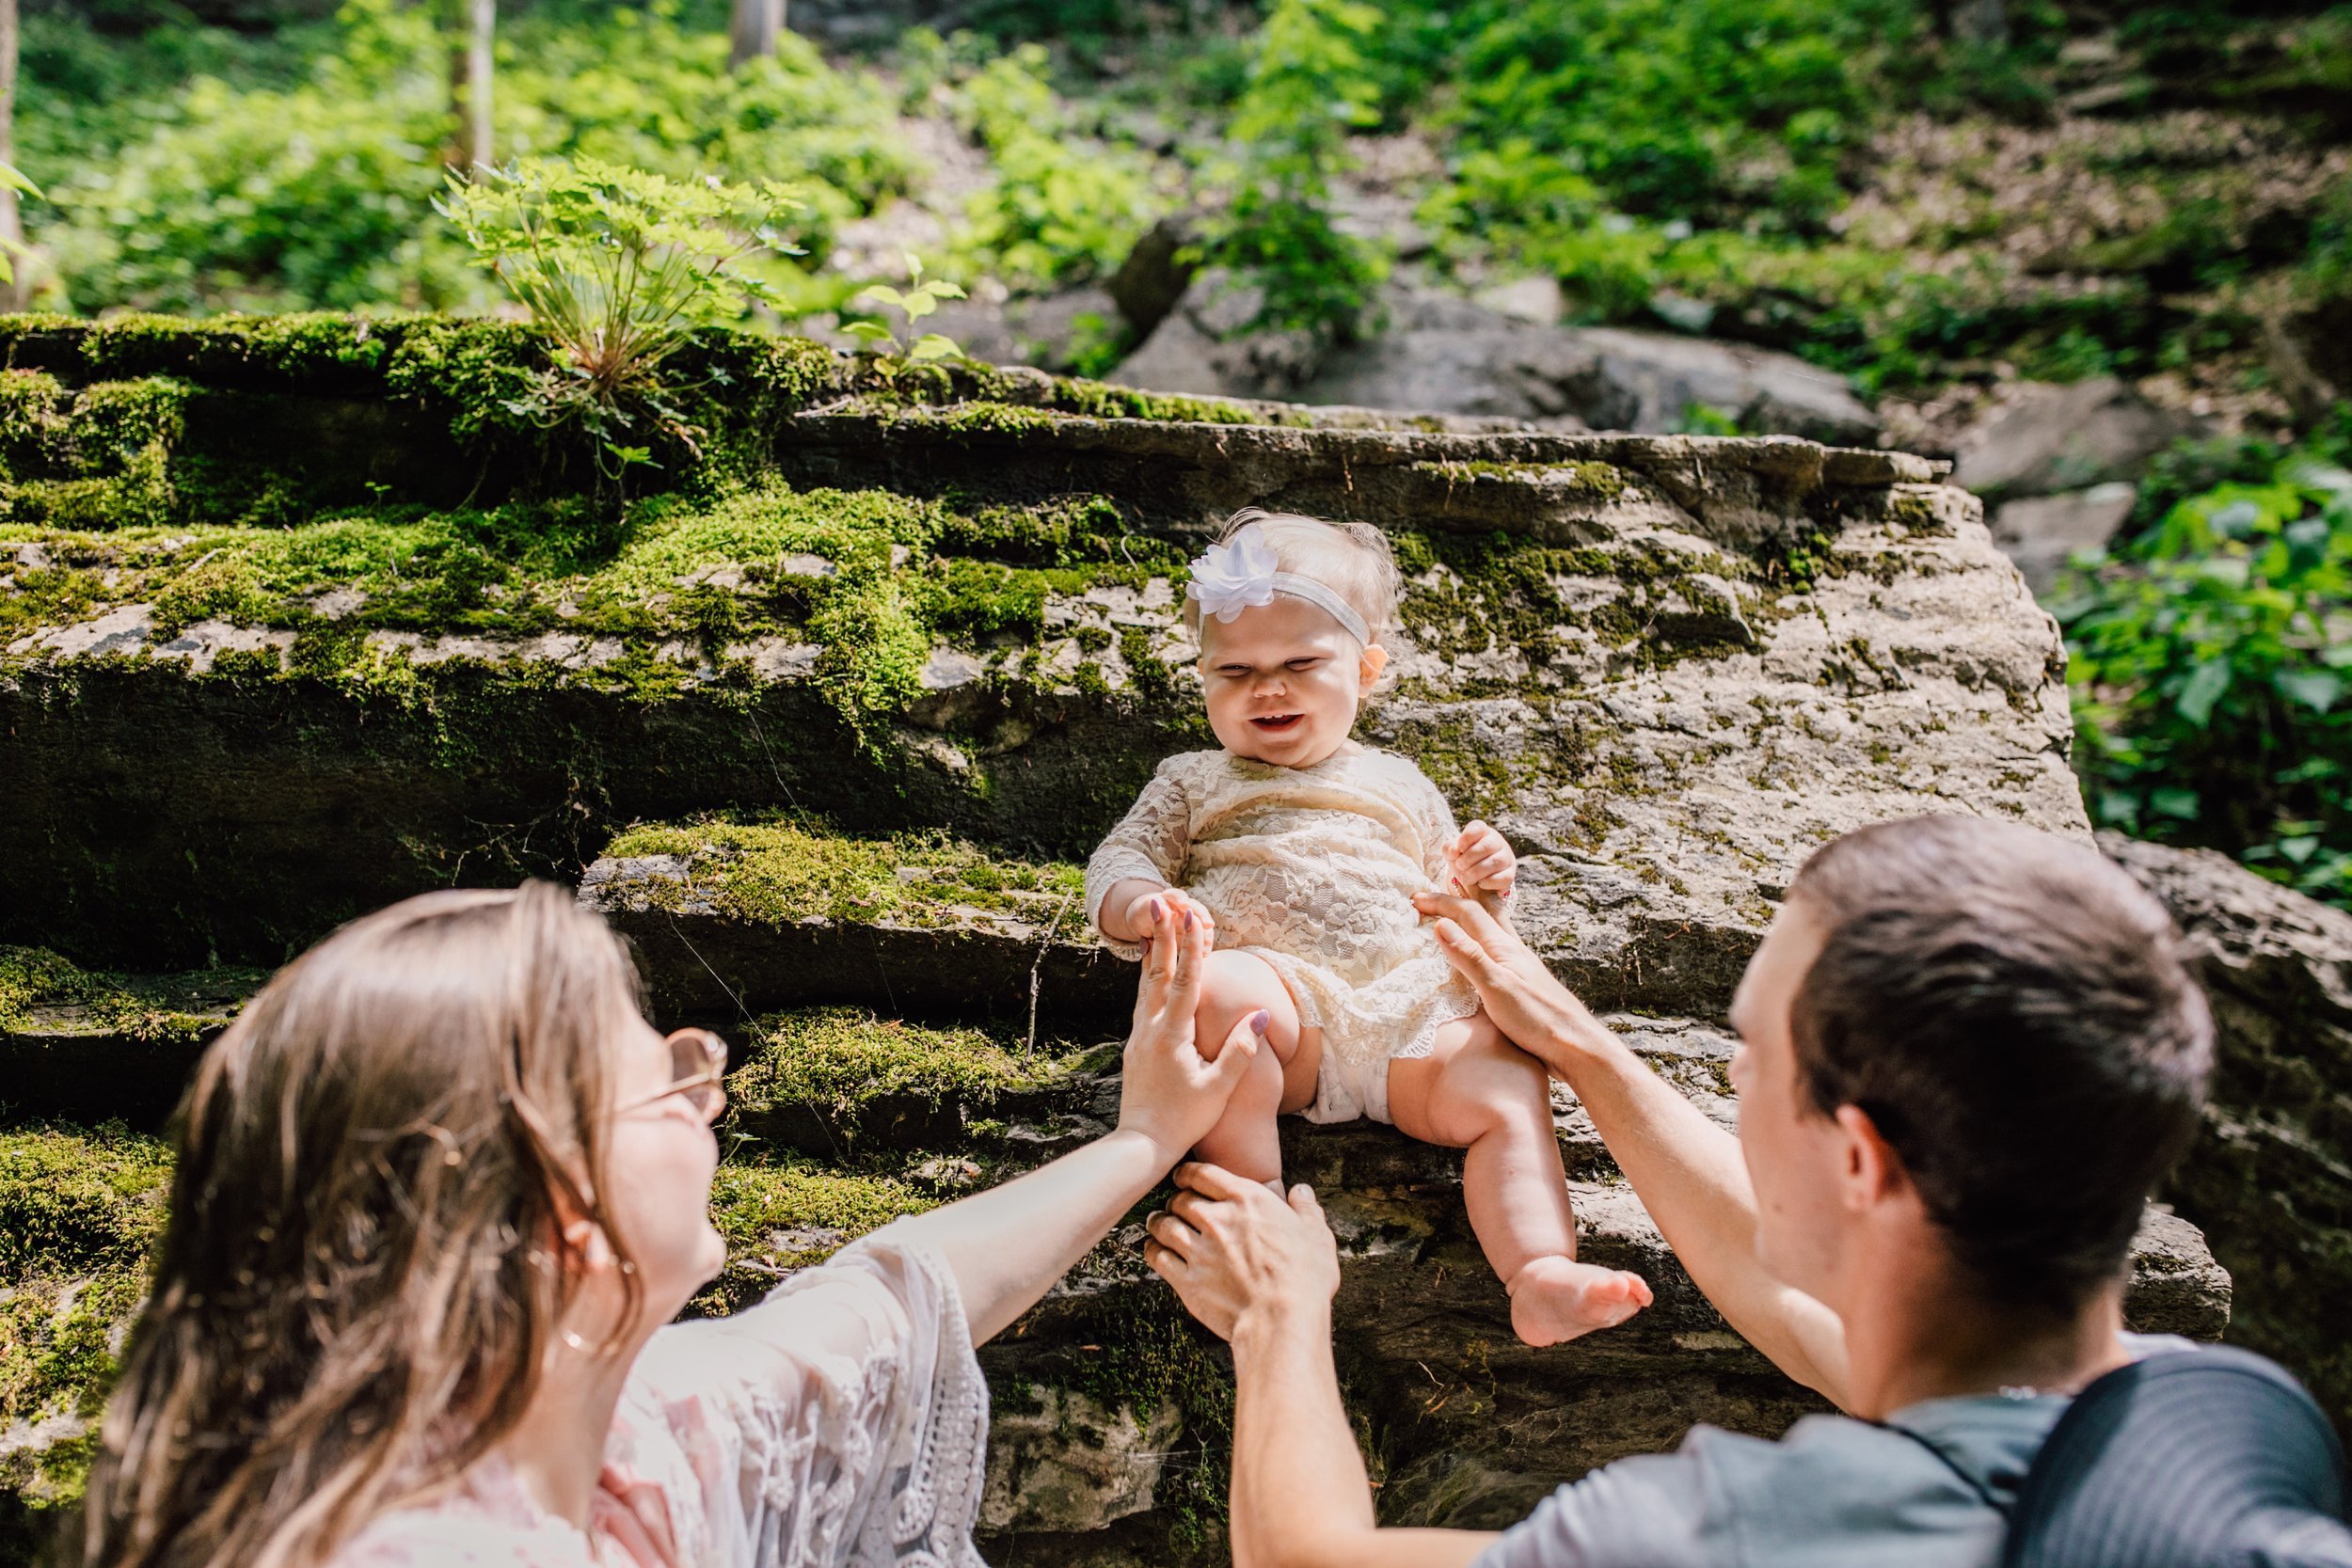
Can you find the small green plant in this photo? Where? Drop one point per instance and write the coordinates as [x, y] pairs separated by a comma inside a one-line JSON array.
[[1310, 86], [2211, 660], [918, 299], [618, 266]]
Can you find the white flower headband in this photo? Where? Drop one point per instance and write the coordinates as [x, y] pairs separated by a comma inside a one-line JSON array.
[[1242, 572]]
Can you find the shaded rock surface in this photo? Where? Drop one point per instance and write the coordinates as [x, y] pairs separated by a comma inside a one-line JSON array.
[[2047, 438], [2040, 533], [2271, 1179]]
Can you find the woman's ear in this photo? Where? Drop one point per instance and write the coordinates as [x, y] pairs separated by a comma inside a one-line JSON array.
[[1368, 668]]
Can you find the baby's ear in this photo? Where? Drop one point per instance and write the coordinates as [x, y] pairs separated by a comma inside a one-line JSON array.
[[1368, 668]]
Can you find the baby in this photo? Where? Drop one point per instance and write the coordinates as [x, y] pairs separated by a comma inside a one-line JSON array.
[[1303, 850]]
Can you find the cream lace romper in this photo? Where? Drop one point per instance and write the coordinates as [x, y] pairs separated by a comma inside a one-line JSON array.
[[1313, 869]]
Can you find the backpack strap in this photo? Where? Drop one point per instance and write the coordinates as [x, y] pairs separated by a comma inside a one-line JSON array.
[[2185, 1459]]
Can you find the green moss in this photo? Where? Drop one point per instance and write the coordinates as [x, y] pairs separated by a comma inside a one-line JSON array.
[[318, 347], [1095, 400], [79, 1214], [1601, 481], [778, 872], [789, 1213], [142, 1008], [1147, 1354], [842, 1057], [875, 648]]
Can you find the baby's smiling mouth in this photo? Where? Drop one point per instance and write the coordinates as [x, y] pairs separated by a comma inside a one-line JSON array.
[[1279, 723]]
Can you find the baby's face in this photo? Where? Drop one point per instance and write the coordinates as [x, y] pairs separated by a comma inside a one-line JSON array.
[[1282, 681]]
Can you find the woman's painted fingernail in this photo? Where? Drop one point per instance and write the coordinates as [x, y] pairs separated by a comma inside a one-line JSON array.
[[1258, 1019]]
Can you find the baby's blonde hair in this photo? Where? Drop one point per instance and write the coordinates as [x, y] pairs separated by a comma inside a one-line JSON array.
[[1353, 560]]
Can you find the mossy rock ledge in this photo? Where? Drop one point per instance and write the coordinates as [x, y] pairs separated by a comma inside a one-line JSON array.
[[826, 711]]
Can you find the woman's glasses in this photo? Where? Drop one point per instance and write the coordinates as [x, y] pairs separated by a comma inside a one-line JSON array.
[[698, 1065]]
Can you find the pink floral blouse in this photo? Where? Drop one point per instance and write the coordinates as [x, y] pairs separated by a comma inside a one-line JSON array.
[[841, 1421]]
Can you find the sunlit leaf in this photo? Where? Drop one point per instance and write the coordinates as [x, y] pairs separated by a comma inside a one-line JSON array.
[[2316, 689], [2203, 687]]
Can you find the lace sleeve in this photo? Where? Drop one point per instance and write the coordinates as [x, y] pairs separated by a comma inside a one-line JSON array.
[[852, 1410], [1152, 840], [1437, 830]]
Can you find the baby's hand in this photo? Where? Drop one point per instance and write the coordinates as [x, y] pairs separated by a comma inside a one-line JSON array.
[[1482, 862], [1178, 903]]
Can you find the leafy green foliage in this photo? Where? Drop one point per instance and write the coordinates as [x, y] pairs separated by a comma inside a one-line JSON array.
[[263, 184], [2211, 663], [618, 267], [1310, 86], [920, 298], [1063, 208]]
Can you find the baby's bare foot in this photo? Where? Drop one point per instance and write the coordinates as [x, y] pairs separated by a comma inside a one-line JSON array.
[[1554, 1300]]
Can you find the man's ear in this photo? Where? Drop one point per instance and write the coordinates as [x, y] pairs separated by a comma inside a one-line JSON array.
[[1369, 665], [1871, 1172]]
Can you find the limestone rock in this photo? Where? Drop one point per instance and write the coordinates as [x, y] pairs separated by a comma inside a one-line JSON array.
[[1445, 355], [2041, 534], [2048, 438], [2271, 1179], [1069, 1463], [1762, 390], [1050, 331], [1205, 345]]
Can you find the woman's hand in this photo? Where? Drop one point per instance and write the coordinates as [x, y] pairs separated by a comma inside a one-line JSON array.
[[1234, 1251], [1482, 862], [1168, 1092], [1007, 1245], [1526, 1000]]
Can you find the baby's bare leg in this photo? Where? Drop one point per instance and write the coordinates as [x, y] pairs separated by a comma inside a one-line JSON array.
[[1478, 1092], [1243, 1140]]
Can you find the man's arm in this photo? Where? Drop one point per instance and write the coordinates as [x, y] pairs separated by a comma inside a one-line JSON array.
[[1261, 1273], [1686, 1171]]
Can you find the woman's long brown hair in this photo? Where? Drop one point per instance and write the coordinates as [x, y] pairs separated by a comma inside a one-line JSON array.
[[365, 1260]]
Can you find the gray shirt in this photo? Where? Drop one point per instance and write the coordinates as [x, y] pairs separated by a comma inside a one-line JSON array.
[[1834, 1493]]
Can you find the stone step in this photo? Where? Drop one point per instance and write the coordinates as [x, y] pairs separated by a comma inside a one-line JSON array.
[[93, 1047], [735, 916], [187, 712]]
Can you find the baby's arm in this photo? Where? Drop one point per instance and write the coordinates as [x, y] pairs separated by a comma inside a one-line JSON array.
[[1139, 861]]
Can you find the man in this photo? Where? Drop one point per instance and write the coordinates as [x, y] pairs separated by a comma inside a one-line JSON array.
[[1969, 1053]]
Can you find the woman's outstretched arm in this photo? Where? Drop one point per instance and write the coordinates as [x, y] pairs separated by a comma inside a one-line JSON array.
[[1007, 1245]]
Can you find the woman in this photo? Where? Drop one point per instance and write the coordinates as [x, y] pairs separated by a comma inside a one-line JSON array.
[[439, 1190]]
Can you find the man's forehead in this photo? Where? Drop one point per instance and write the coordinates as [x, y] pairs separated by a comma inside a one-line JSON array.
[[1777, 969]]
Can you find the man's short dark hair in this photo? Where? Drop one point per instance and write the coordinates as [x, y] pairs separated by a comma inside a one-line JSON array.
[[2013, 1012]]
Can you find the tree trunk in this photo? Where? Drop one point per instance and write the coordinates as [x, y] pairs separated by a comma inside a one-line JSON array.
[[757, 26], [480, 123], [12, 220]]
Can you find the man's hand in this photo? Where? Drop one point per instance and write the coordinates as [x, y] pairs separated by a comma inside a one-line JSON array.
[[1482, 862], [1526, 1000], [1166, 1091], [1236, 1254]]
